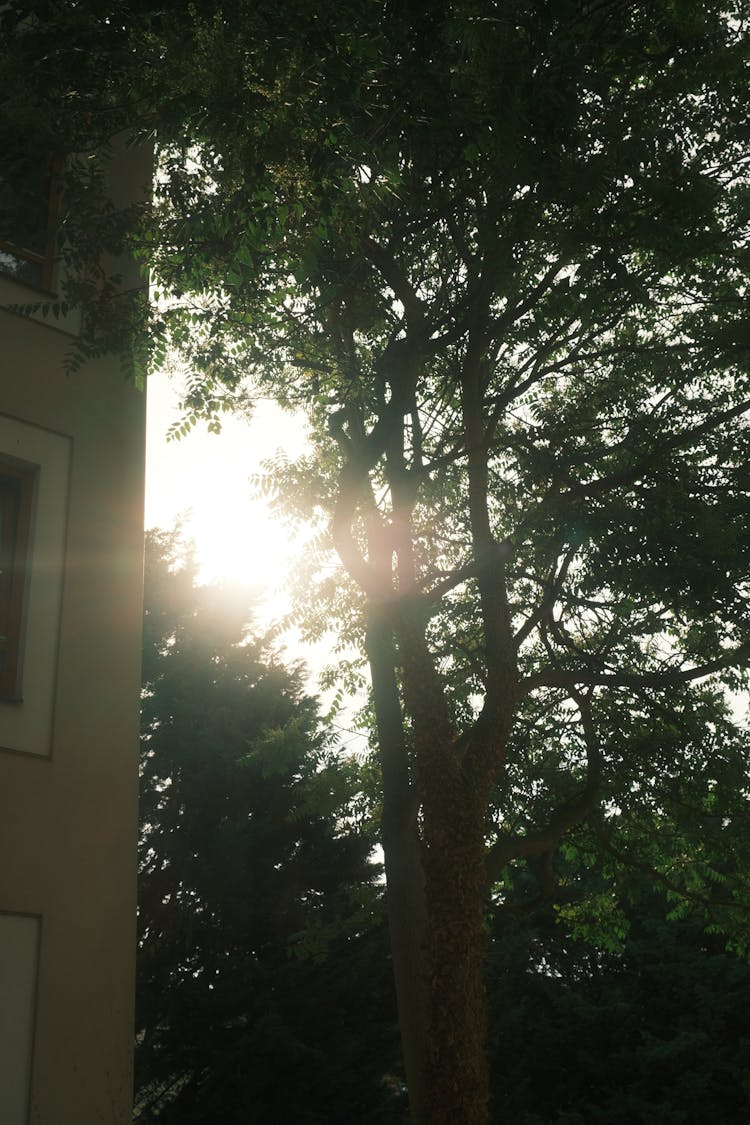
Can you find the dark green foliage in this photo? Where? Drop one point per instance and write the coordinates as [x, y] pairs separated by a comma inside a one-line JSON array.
[[263, 986], [657, 1031]]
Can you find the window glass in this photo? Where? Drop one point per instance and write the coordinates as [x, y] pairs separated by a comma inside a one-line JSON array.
[[15, 515], [27, 219]]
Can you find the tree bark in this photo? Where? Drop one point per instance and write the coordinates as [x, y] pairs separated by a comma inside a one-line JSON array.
[[456, 1073], [453, 802], [405, 893]]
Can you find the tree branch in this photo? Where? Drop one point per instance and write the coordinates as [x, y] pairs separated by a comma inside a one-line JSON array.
[[545, 841], [571, 679], [679, 441], [553, 589]]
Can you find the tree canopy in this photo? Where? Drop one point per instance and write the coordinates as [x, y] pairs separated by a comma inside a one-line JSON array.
[[648, 1027], [498, 253]]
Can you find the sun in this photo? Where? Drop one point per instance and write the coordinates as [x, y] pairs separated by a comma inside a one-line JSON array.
[[204, 481], [239, 542]]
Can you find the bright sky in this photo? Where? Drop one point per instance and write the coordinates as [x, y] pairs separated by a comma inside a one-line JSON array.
[[205, 479]]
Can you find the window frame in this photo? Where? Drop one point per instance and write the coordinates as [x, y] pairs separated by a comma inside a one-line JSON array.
[[16, 502], [45, 258]]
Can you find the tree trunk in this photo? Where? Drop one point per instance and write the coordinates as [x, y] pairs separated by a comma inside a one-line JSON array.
[[405, 895], [456, 1065], [453, 798], [406, 926]]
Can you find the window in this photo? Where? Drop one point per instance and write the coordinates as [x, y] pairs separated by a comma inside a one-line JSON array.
[[19, 953], [35, 474], [28, 210], [16, 490]]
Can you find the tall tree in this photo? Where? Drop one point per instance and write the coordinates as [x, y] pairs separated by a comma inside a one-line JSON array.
[[263, 986], [498, 251]]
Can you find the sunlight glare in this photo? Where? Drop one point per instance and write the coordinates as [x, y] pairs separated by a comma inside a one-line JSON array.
[[239, 543], [203, 481]]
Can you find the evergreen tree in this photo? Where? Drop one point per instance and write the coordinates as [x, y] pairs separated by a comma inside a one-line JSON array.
[[638, 1017], [263, 987]]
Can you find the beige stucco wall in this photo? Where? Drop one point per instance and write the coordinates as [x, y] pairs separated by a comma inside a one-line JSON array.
[[68, 812]]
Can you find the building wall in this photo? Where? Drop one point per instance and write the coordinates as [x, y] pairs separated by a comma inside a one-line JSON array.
[[69, 750]]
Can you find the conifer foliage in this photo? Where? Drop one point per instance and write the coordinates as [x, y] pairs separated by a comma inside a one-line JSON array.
[[263, 987]]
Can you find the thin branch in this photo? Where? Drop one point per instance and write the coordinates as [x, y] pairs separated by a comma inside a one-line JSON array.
[[679, 441], [551, 594], [545, 842], [667, 677], [511, 315], [398, 281]]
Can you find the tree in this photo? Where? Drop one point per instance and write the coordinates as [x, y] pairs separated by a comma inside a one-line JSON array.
[[640, 1020], [499, 253], [263, 986]]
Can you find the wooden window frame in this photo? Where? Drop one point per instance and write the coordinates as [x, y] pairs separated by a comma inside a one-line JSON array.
[[16, 498], [45, 258]]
